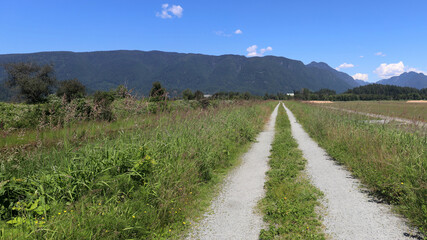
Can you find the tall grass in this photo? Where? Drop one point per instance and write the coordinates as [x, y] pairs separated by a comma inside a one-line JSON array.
[[400, 109], [391, 162], [147, 182], [289, 205]]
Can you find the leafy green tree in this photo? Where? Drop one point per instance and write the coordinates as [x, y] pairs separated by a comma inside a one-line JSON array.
[[157, 92], [72, 89], [187, 94], [122, 92], [103, 98], [198, 95], [34, 82]]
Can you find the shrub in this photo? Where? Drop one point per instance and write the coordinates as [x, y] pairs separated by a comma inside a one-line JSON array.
[[71, 89]]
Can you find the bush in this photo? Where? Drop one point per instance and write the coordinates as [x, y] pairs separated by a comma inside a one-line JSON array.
[[157, 92], [102, 105], [71, 89]]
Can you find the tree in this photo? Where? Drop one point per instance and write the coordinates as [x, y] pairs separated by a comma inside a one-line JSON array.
[[198, 95], [187, 94], [122, 92], [71, 89], [34, 82], [157, 92]]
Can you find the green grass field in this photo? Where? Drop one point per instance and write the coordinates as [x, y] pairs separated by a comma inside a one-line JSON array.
[[147, 177], [400, 109], [390, 161]]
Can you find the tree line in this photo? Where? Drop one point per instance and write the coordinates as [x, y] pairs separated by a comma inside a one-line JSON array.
[[364, 93]]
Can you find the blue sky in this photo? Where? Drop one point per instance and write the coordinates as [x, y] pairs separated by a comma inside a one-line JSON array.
[[374, 39]]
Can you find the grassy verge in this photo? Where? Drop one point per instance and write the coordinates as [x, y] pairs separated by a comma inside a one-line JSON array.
[[391, 162], [289, 205], [399, 109], [130, 114], [143, 183]]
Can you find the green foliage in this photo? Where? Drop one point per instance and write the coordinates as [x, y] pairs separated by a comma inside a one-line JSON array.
[[71, 89], [122, 92], [140, 182], [187, 94], [102, 101], [198, 95], [389, 160], [290, 201], [103, 98], [367, 92], [34, 82], [386, 92], [157, 92]]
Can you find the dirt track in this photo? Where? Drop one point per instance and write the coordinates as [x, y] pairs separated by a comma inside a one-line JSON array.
[[232, 214], [349, 213]]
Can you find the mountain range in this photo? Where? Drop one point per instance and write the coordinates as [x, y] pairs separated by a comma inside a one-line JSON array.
[[407, 79], [137, 70], [178, 71]]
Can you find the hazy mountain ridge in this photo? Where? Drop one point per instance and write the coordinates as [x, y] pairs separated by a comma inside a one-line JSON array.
[[344, 76], [178, 71], [407, 79]]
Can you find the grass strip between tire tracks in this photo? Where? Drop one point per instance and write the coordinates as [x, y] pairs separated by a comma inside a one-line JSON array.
[[289, 206]]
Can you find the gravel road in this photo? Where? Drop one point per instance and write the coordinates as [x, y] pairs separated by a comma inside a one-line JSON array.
[[233, 214], [349, 213]]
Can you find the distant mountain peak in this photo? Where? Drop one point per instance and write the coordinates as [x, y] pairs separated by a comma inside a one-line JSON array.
[[407, 79], [344, 76], [321, 65]]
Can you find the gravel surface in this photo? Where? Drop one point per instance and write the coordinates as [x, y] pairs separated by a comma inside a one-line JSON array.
[[233, 214], [349, 213]]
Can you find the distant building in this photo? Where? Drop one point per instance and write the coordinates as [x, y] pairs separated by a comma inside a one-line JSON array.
[[290, 94], [207, 95]]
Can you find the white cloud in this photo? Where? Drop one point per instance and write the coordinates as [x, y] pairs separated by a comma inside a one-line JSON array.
[[362, 56], [169, 12], [390, 70], [361, 76], [176, 10], [344, 65], [394, 69], [380, 54], [238, 31], [222, 34], [252, 51]]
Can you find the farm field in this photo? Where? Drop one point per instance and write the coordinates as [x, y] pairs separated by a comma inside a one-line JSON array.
[[399, 109], [389, 161], [145, 176]]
